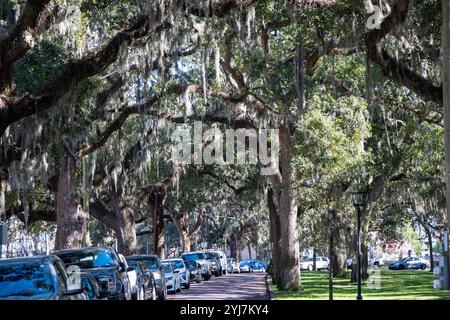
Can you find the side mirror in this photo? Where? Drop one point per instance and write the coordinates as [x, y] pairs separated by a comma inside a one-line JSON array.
[[122, 267]]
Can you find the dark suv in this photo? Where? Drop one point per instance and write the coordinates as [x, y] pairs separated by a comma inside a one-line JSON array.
[[36, 278], [104, 264], [154, 265]]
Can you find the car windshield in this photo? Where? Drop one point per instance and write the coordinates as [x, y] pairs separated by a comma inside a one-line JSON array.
[[193, 256], [89, 259], [25, 279], [209, 256], [150, 262], [167, 267], [177, 264], [191, 265]]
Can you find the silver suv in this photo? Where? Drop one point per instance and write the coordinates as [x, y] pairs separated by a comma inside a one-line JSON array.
[[200, 258]]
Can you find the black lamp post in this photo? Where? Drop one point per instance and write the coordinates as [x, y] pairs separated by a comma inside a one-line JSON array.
[[359, 200]]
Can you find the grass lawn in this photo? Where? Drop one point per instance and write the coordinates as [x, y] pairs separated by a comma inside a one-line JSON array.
[[393, 285]]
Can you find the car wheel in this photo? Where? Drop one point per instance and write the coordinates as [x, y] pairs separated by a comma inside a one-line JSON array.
[[423, 267], [162, 295], [401, 267]]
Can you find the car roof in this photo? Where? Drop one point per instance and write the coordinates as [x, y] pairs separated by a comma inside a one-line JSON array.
[[87, 250], [173, 259], [26, 259], [142, 256]]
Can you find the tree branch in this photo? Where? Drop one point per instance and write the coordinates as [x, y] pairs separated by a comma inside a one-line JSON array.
[[13, 109], [22, 37], [393, 68]]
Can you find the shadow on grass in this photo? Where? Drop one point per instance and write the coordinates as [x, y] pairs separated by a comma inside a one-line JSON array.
[[394, 285]]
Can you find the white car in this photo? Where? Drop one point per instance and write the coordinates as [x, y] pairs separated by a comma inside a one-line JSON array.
[[132, 280], [376, 261], [321, 263], [233, 266], [223, 259], [173, 283], [179, 267]]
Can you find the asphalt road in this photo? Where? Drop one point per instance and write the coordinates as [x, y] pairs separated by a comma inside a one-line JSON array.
[[237, 286]]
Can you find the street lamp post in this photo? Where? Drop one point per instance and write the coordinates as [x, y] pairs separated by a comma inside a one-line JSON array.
[[359, 200]]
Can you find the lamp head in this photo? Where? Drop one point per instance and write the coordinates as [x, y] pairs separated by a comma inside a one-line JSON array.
[[359, 199]]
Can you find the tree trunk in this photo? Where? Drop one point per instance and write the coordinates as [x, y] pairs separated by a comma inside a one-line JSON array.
[[158, 227], [186, 242], [234, 246], [365, 244], [70, 217], [180, 223], [354, 274], [314, 258], [289, 244], [125, 229], [274, 235], [337, 238], [430, 246]]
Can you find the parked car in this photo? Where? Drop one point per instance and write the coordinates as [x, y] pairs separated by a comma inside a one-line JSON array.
[[179, 266], [349, 263], [376, 261], [216, 266], [322, 263], [195, 270], [105, 265], [259, 266], [145, 282], [233, 266], [132, 279], [173, 283], [153, 263], [246, 266], [410, 263], [250, 265], [222, 259], [200, 258], [90, 286], [37, 278]]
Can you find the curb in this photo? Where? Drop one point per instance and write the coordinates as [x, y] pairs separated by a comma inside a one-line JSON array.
[[269, 292]]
